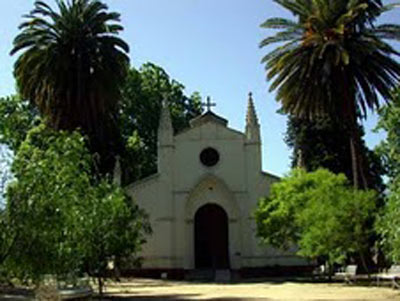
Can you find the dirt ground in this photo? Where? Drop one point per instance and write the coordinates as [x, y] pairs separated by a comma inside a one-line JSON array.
[[267, 290], [155, 290]]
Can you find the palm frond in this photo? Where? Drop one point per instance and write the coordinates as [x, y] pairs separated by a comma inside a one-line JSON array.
[[279, 23], [72, 62], [333, 54]]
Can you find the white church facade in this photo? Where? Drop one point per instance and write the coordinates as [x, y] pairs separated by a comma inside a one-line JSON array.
[[201, 200]]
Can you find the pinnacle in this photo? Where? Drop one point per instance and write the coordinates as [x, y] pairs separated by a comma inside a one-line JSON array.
[[165, 118], [251, 117]]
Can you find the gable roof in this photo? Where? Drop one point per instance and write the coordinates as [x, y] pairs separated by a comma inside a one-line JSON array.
[[208, 117]]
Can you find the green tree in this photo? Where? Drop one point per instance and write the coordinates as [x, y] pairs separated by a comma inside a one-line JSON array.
[[17, 118], [60, 219], [143, 93], [322, 143], [334, 62], [72, 65], [319, 213], [5, 174], [388, 224]]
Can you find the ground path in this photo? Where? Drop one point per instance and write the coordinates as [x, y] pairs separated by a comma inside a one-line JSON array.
[[157, 290]]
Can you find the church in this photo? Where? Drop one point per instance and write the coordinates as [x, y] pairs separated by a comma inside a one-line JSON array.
[[201, 200]]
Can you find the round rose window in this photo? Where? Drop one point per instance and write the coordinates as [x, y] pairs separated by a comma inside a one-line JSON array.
[[209, 157]]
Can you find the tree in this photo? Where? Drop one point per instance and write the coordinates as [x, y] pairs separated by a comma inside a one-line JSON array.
[[334, 63], [5, 178], [17, 118], [388, 224], [143, 93], [5, 172], [319, 213], [322, 143], [61, 219], [72, 65]]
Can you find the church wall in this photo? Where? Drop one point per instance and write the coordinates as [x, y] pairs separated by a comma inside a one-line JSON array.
[[181, 237], [189, 146], [155, 199]]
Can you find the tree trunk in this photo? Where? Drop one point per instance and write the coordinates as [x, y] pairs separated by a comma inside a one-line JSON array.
[[330, 271], [350, 115], [364, 263], [354, 163], [100, 282], [355, 150], [357, 162]]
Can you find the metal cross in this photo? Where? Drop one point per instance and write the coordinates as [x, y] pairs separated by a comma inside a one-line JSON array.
[[209, 104]]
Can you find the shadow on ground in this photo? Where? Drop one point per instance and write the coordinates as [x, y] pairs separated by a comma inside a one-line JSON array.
[[177, 298], [15, 294], [158, 290]]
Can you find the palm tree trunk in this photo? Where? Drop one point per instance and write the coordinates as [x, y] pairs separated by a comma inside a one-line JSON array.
[[357, 162], [355, 142], [354, 163], [361, 163]]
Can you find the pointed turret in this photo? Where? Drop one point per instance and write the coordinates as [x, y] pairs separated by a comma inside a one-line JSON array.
[[117, 171], [252, 147], [252, 125], [165, 130], [165, 142], [300, 159]]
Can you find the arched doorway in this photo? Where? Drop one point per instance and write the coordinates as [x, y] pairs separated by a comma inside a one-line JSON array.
[[211, 238]]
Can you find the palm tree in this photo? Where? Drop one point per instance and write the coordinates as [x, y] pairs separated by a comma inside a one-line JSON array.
[[72, 65], [333, 61]]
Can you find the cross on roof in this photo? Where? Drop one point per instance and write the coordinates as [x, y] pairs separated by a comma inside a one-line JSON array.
[[209, 104]]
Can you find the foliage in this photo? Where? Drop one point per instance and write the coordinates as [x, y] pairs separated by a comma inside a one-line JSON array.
[[5, 172], [4, 246], [319, 213], [333, 62], [323, 143], [71, 66], [389, 223], [143, 93], [5, 178], [325, 55], [17, 117], [61, 220], [388, 226]]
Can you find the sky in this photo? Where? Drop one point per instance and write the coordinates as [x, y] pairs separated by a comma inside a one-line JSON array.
[[209, 46]]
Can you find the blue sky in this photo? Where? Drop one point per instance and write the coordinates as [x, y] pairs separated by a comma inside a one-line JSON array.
[[210, 46]]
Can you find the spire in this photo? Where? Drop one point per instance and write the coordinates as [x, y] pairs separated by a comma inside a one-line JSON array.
[[251, 117], [300, 159], [165, 130], [252, 125], [165, 118], [117, 171]]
